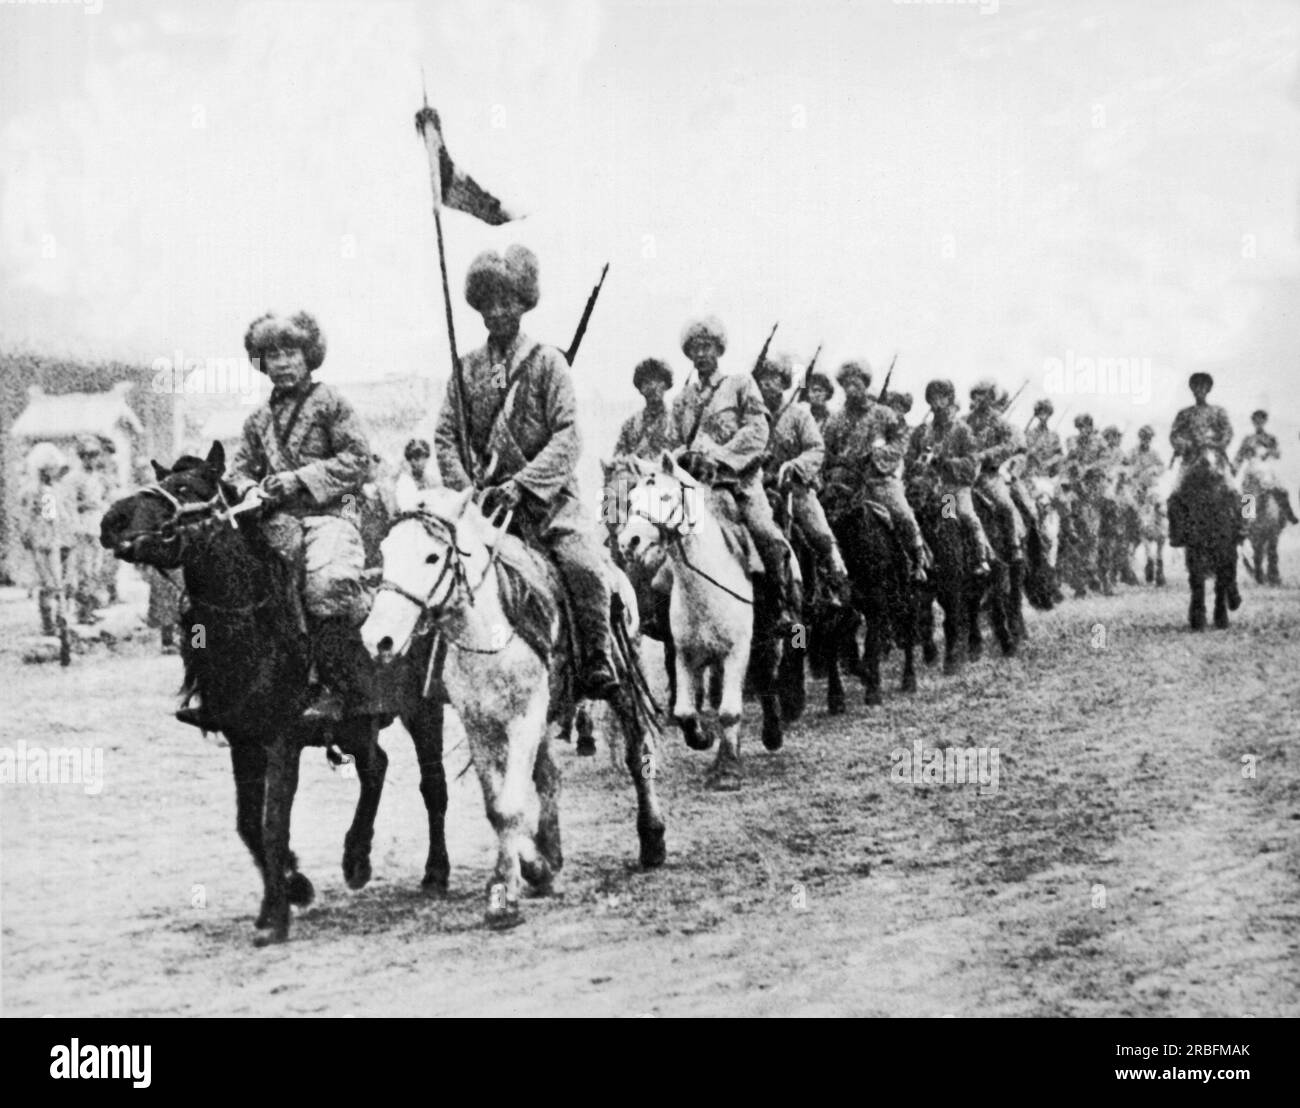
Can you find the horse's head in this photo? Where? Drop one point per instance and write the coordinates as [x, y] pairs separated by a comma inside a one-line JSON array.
[[434, 558], [156, 525], [658, 506]]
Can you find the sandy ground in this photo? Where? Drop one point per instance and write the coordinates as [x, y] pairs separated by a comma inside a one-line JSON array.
[[1123, 867]]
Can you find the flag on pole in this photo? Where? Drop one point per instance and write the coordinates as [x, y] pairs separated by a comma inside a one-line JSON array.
[[454, 188]]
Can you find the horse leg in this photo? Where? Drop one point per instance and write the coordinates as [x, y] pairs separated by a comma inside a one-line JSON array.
[[639, 756], [690, 695], [248, 760], [1221, 600], [767, 662], [546, 779], [790, 676], [1274, 577], [1015, 599], [1196, 611], [833, 635], [371, 766], [998, 613], [423, 721], [281, 783], [586, 729], [724, 774], [670, 665], [871, 651], [925, 628]]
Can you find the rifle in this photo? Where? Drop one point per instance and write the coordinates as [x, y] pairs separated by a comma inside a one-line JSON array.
[[572, 352], [762, 354], [801, 393], [885, 387], [1012, 402]]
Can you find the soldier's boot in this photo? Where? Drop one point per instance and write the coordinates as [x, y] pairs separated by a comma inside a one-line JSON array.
[[346, 672], [1160, 573], [1284, 502], [599, 677], [49, 605]]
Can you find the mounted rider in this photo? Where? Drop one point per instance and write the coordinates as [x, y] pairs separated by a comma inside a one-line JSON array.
[[518, 421], [795, 455], [646, 434], [1199, 430], [865, 443], [1043, 452], [820, 391], [1261, 446], [941, 463], [996, 440], [719, 426], [304, 457]]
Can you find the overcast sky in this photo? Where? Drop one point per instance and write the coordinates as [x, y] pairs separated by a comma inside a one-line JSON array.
[[982, 188]]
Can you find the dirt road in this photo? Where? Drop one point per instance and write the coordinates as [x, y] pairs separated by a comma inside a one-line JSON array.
[[1129, 863]]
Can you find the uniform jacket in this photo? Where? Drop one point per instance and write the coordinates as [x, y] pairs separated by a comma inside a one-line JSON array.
[[867, 442], [1146, 468], [995, 438], [1085, 465], [48, 514], [1043, 450], [733, 427], [89, 490], [645, 435], [942, 455], [796, 439], [536, 441], [1261, 442], [1198, 426], [326, 449]]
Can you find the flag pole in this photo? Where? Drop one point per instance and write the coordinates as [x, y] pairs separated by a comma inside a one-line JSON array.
[[428, 127]]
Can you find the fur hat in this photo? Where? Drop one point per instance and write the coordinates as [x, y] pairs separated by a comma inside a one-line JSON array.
[[820, 381], [270, 332], [901, 402], [516, 273], [88, 446], [779, 364], [1044, 407], [45, 457], [858, 368], [1082, 420], [710, 327], [1200, 378], [984, 385], [1259, 413], [939, 387], [1146, 431], [416, 448], [648, 370], [1112, 432]]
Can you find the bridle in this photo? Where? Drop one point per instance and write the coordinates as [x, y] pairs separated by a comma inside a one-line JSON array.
[[187, 520], [453, 569], [672, 533]]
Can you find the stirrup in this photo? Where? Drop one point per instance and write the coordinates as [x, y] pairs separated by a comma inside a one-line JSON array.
[[325, 706]]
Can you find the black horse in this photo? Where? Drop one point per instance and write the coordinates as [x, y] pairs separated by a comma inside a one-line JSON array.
[[1206, 517], [957, 588], [1004, 597], [882, 591], [247, 657]]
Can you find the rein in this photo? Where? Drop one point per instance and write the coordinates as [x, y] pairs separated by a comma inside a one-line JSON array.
[[453, 565], [677, 539]]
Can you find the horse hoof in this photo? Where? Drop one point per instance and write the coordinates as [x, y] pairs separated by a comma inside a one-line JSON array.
[[773, 738], [586, 746], [356, 871], [503, 918], [909, 683], [723, 781], [300, 891], [929, 653], [873, 700], [1234, 598], [276, 936], [697, 738], [653, 851], [835, 705], [435, 884], [1221, 623]]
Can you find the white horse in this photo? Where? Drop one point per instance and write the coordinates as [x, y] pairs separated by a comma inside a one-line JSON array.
[[508, 675], [711, 605]]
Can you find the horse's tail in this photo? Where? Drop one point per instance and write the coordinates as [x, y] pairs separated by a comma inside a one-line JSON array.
[[631, 674]]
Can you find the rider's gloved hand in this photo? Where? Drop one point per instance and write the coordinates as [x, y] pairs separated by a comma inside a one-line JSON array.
[[503, 497], [281, 485]]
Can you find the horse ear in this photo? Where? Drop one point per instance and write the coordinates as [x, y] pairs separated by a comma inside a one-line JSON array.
[[159, 472], [217, 457], [667, 464]]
